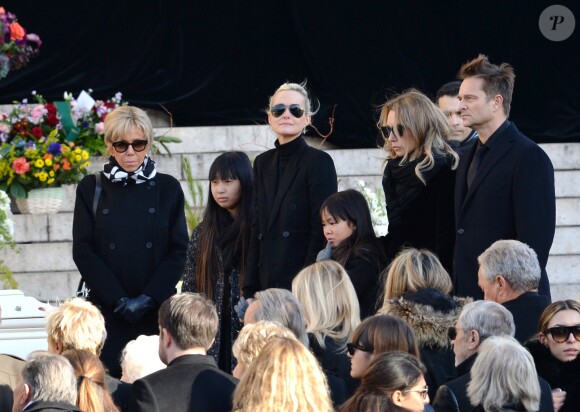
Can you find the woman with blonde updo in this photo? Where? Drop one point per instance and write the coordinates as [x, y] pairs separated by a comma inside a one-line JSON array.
[[284, 377]]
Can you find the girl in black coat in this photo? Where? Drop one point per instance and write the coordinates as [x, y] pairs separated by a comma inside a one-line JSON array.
[[418, 179], [218, 247], [348, 228]]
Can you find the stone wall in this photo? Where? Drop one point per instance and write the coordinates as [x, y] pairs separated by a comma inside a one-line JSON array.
[[44, 267]]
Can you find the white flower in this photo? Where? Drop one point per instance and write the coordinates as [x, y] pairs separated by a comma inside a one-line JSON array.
[[376, 201]]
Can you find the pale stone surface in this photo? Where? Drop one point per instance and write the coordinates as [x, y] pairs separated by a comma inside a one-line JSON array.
[[38, 257], [49, 286]]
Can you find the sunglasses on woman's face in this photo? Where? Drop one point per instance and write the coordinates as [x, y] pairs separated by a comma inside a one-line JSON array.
[[561, 334], [387, 130], [137, 145], [295, 110], [351, 348]]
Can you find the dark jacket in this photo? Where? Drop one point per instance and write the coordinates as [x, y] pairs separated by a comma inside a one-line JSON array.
[[51, 407], [189, 383], [364, 272], [430, 313], [286, 229], [120, 391], [562, 375], [511, 197], [526, 310], [426, 221], [135, 245]]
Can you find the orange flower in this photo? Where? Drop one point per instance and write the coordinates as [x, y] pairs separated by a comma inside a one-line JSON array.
[[65, 164], [16, 31], [56, 166], [48, 156]]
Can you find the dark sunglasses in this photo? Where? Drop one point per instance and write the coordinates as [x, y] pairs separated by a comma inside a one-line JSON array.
[[452, 332], [423, 392], [561, 333], [295, 110], [137, 145], [351, 347], [387, 130]]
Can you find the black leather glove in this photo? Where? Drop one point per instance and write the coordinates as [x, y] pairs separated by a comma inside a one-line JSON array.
[[133, 309]]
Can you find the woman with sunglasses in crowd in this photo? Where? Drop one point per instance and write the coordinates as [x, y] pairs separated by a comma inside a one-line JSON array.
[[129, 234], [418, 179], [290, 183], [555, 351], [218, 247]]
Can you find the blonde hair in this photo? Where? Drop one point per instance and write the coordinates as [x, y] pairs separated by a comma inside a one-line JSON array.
[[295, 87], [329, 301], [77, 324], [140, 357], [414, 269], [284, 377], [552, 309], [504, 375], [253, 337], [124, 118], [427, 126]]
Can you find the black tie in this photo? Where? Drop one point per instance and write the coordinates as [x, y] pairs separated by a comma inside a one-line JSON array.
[[472, 172]]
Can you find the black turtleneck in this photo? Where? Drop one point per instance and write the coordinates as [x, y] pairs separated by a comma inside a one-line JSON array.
[[286, 151]]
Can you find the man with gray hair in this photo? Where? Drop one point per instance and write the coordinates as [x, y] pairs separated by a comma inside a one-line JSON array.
[[191, 382], [47, 383], [509, 274]]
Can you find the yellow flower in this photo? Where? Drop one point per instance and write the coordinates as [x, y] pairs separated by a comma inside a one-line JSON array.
[[85, 155], [77, 151], [39, 163], [78, 158], [51, 173], [48, 162], [50, 181], [42, 176]]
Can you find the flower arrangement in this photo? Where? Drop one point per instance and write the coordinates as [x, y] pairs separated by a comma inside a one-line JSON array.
[[16, 46], [377, 205], [6, 239]]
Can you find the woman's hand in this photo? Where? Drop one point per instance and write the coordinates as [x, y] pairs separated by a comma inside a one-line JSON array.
[[558, 398]]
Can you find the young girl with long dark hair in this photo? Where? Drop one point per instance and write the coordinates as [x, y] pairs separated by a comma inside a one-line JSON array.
[[219, 244], [347, 226]]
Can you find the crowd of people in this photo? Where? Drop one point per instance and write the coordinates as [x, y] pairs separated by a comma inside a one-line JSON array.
[[289, 300]]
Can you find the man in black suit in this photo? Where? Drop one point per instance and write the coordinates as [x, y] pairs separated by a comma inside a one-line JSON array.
[[509, 274], [191, 382], [505, 183]]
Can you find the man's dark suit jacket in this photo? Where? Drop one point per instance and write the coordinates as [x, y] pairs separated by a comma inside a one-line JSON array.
[[511, 197], [189, 383], [526, 310]]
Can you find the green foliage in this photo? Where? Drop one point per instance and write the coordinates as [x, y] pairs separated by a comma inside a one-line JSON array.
[[160, 142], [193, 211]]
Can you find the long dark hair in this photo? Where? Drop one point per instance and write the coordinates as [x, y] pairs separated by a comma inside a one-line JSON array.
[[351, 206], [221, 231]]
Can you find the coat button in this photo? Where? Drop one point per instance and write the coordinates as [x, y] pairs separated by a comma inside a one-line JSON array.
[[149, 245], [293, 206], [152, 183], [151, 210], [260, 236], [112, 246], [286, 234], [106, 211], [460, 231]]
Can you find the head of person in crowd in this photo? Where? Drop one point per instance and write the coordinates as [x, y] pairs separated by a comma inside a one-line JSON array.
[[76, 324], [278, 305], [347, 225], [284, 377], [251, 339], [447, 100], [508, 269], [329, 301], [128, 136], [392, 378], [140, 357], [559, 329], [188, 324], [478, 321], [290, 111], [415, 269], [46, 378], [414, 128], [379, 334], [504, 377], [93, 393], [231, 181], [486, 93]]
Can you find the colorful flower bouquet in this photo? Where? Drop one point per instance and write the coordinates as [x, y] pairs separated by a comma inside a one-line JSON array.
[[16, 46]]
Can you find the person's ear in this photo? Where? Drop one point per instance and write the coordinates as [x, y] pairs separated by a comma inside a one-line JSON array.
[[165, 337], [397, 397], [543, 339], [497, 102], [474, 339], [23, 397]]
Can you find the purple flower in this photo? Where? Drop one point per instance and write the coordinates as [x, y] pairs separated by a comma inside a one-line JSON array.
[[54, 148]]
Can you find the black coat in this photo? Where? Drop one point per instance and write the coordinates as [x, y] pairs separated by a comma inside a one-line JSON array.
[[43, 406], [286, 229], [511, 197], [364, 272], [526, 310], [189, 383], [135, 245]]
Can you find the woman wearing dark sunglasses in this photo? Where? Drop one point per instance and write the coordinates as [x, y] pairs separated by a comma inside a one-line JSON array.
[[555, 351], [418, 179], [129, 234], [290, 183]]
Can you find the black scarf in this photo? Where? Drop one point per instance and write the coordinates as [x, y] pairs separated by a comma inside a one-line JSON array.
[[116, 174]]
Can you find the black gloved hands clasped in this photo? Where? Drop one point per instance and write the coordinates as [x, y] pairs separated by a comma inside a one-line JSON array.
[[133, 309]]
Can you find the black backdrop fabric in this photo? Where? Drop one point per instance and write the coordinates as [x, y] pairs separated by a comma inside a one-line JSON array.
[[216, 62]]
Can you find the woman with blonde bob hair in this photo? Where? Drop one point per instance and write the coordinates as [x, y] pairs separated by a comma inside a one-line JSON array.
[[503, 377], [417, 289], [418, 179], [284, 377], [331, 312]]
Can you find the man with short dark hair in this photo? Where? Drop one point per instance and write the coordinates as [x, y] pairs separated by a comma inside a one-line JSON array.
[[446, 99], [505, 183], [191, 382]]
